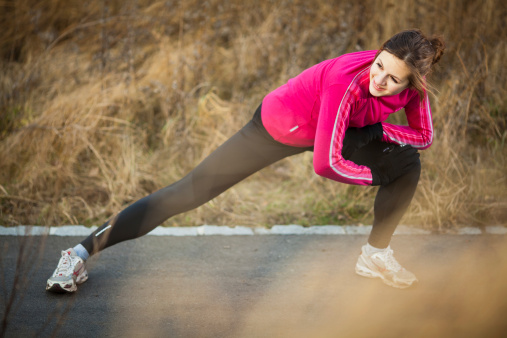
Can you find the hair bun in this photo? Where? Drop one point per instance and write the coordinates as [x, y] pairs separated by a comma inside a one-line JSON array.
[[437, 42]]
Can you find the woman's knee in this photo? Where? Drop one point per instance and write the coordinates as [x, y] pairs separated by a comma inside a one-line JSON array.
[[416, 168], [414, 171]]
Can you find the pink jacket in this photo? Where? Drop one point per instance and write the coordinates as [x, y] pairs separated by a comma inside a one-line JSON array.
[[317, 106]]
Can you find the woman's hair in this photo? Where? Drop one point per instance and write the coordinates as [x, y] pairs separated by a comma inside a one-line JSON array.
[[418, 52]]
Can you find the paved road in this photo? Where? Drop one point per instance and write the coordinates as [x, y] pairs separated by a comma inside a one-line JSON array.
[[261, 286]]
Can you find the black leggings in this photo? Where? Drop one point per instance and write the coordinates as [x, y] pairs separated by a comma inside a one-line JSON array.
[[245, 153]]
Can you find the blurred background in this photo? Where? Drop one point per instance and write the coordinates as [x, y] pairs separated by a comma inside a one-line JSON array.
[[103, 102]]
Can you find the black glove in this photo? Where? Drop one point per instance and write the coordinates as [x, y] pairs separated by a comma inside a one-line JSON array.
[[395, 161], [356, 138]]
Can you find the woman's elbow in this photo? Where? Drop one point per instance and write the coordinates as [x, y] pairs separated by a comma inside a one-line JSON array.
[[428, 142], [321, 168]]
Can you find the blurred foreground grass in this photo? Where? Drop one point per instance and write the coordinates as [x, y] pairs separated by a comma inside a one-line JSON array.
[[103, 102]]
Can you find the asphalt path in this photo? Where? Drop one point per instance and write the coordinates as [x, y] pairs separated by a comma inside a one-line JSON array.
[[258, 286]]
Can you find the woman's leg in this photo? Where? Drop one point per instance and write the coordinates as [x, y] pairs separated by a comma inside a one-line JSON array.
[[392, 200], [245, 153], [248, 151], [391, 203]]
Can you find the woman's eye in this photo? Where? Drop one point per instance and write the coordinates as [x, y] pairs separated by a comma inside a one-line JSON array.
[[394, 80], [379, 65]]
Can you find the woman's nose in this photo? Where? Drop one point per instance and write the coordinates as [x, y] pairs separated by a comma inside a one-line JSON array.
[[381, 79]]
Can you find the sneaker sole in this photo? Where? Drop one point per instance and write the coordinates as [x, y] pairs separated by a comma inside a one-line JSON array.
[[62, 287], [366, 272]]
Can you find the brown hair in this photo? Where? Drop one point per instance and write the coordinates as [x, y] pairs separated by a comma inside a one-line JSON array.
[[418, 52]]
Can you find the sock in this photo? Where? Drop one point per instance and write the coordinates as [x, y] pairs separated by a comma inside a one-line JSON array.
[[370, 250], [81, 252]]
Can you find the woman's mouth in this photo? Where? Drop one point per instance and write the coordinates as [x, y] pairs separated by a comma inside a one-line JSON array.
[[377, 88]]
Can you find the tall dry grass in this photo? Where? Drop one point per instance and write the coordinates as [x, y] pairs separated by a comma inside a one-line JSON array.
[[103, 102]]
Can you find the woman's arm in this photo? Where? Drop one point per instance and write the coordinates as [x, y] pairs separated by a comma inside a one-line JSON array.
[[336, 103], [419, 133]]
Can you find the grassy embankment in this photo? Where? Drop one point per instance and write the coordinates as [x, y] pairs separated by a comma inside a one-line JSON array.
[[103, 102]]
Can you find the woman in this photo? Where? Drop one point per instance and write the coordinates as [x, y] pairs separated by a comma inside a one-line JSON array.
[[335, 109]]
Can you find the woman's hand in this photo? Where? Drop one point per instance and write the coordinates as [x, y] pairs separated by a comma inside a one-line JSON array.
[[395, 161], [356, 138]]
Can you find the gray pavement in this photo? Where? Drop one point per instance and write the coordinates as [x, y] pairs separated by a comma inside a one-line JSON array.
[[258, 286]]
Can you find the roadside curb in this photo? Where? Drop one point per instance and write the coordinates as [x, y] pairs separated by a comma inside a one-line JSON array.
[[211, 230]]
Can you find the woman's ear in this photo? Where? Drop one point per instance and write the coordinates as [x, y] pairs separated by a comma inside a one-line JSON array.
[[411, 82]]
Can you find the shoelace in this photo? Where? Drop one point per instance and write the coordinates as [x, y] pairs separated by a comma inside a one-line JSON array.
[[64, 265], [390, 261]]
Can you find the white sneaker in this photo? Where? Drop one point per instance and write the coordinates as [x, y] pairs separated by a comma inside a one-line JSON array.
[[383, 265], [70, 272]]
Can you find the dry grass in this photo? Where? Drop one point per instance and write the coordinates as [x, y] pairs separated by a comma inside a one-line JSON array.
[[103, 102]]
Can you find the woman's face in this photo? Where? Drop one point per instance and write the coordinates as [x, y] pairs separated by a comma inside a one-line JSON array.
[[388, 75]]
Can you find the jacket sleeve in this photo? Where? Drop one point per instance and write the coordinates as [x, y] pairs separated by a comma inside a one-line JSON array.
[[336, 104], [419, 132]]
